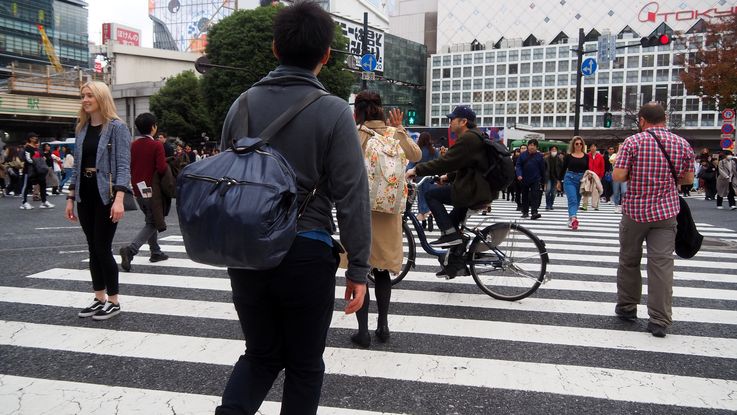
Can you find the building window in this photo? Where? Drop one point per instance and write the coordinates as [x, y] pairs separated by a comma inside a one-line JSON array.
[[513, 68], [501, 82], [455, 98], [436, 61], [648, 61], [525, 68], [563, 52], [524, 95], [618, 62], [675, 74], [537, 80], [588, 99], [617, 77], [501, 69], [561, 107], [535, 122], [446, 72], [563, 66], [537, 67], [663, 60], [676, 105], [501, 56], [512, 95], [563, 79], [478, 58], [511, 109], [499, 97], [537, 94], [478, 83], [602, 98], [435, 111], [488, 83], [456, 60], [524, 108], [436, 98], [708, 105], [512, 83], [467, 71], [513, 55], [633, 61], [550, 66], [551, 53], [647, 76], [456, 84], [489, 70], [446, 85], [436, 73], [499, 109], [561, 121], [524, 81], [477, 96], [478, 71], [549, 80], [631, 97], [467, 59], [707, 120], [467, 84], [525, 55], [436, 85], [535, 108], [488, 96], [562, 93], [548, 121], [647, 94], [692, 120], [661, 75], [661, 93], [523, 120], [632, 77], [537, 54], [549, 94], [603, 77], [587, 121], [616, 104], [490, 57], [456, 72]]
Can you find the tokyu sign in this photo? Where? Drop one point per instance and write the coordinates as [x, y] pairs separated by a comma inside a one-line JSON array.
[[652, 12]]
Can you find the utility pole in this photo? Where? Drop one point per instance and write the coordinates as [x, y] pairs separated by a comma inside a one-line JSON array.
[[579, 60], [364, 48]]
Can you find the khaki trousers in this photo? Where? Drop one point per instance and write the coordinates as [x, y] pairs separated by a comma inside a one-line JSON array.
[[661, 241]]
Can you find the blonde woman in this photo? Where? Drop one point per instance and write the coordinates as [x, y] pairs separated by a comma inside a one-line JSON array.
[[386, 228], [575, 165], [100, 177]]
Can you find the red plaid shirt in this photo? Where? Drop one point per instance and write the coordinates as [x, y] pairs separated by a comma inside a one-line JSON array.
[[652, 195]]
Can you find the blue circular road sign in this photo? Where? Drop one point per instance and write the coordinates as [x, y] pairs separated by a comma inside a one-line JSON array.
[[368, 62], [588, 67]]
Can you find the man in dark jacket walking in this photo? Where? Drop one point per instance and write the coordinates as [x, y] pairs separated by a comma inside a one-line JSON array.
[[285, 312], [530, 170], [553, 175], [463, 163]]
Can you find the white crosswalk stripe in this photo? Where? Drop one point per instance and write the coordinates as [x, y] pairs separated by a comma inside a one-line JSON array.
[[561, 346]]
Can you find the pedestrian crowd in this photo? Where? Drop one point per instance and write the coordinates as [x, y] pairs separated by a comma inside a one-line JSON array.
[[353, 161]]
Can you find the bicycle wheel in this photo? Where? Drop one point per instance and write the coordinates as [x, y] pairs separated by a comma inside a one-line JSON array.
[[409, 257], [509, 262]]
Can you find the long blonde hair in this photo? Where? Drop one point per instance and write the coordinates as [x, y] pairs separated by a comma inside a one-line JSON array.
[[104, 99], [583, 143]]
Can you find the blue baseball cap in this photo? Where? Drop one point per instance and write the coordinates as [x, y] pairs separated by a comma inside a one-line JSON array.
[[463, 111]]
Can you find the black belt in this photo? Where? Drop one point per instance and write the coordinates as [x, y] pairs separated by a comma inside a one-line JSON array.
[[89, 173]]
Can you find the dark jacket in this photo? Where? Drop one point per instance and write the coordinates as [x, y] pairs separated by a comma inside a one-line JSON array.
[[320, 142], [554, 167], [465, 161], [163, 190], [531, 166]]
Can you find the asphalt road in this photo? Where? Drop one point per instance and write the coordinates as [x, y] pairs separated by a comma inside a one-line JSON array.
[[453, 349]]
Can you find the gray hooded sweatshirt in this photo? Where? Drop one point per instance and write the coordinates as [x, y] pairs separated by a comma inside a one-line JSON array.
[[319, 143]]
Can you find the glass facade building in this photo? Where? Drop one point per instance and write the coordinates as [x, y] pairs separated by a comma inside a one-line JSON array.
[[65, 22], [404, 73], [183, 24], [536, 86]]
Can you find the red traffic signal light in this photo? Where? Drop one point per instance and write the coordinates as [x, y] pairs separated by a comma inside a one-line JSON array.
[[655, 40]]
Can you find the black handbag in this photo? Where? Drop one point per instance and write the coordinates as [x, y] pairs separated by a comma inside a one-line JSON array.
[[688, 238]]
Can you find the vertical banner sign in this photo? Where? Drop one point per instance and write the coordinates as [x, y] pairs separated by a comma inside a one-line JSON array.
[[50, 52], [728, 128], [354, 32]]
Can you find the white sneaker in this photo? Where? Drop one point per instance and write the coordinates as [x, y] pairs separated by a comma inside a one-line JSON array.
[[26, 206], [618, 209], [732, 207], [718, 207], [46, 205]]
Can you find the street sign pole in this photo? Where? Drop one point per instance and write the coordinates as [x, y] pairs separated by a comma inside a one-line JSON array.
[[364, 48], [579, 54]]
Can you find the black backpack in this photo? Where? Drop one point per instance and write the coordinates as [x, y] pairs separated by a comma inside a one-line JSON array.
[[500, 172], [239, 209]]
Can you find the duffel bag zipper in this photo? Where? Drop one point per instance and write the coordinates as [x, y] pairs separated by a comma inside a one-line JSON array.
[[228, 182]]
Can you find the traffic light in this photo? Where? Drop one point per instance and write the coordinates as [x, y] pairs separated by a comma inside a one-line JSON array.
[[411, 117], [655, 40], [607, 120]]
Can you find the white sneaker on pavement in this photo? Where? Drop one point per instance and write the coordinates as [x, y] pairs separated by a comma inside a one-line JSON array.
[[26, 206], [618, 209], [46, 205]]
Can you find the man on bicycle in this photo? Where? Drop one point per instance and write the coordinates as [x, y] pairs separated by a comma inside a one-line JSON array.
[[462, 166]]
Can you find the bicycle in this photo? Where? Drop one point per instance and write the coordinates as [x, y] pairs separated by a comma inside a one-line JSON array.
[[489, 253]]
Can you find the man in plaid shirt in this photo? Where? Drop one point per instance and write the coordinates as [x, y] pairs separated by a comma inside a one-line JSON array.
[[649, 212]]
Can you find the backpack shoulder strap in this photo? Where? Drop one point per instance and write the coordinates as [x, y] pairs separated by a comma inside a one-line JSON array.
[[667, 157], [289, 114]]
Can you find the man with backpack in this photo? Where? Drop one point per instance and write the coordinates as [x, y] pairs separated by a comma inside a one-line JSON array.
[[463, 166], [285, 312], [530, 171]]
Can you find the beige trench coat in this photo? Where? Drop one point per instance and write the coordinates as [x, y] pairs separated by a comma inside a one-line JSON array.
[[386, 228]]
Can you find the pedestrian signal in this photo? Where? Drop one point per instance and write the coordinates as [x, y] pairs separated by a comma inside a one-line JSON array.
[[655, 40], [411, 117], [608, 120]]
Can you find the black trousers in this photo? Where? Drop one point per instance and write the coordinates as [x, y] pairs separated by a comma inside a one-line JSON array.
[[100, 231], [730, 197], [29, 182], [285, 313], [531, 196], [436, 199]]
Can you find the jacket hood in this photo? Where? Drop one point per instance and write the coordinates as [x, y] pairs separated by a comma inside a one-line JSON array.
[[290, 75]]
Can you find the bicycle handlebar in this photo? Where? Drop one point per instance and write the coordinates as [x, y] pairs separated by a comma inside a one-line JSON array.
[[423, 180]]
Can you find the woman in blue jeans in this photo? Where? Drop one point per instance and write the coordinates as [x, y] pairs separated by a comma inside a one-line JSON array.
[[618, 188], [575, 165], [429, 153]]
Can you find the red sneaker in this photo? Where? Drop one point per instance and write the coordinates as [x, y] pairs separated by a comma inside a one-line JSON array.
[[574, 224]]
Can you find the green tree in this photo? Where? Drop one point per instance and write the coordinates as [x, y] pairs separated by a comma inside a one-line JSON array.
[[180, 108], [243, 40]]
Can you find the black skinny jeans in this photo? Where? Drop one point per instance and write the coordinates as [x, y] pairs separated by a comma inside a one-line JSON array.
[[436, 199], [531, 197], [100, 231], [285, 314]]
